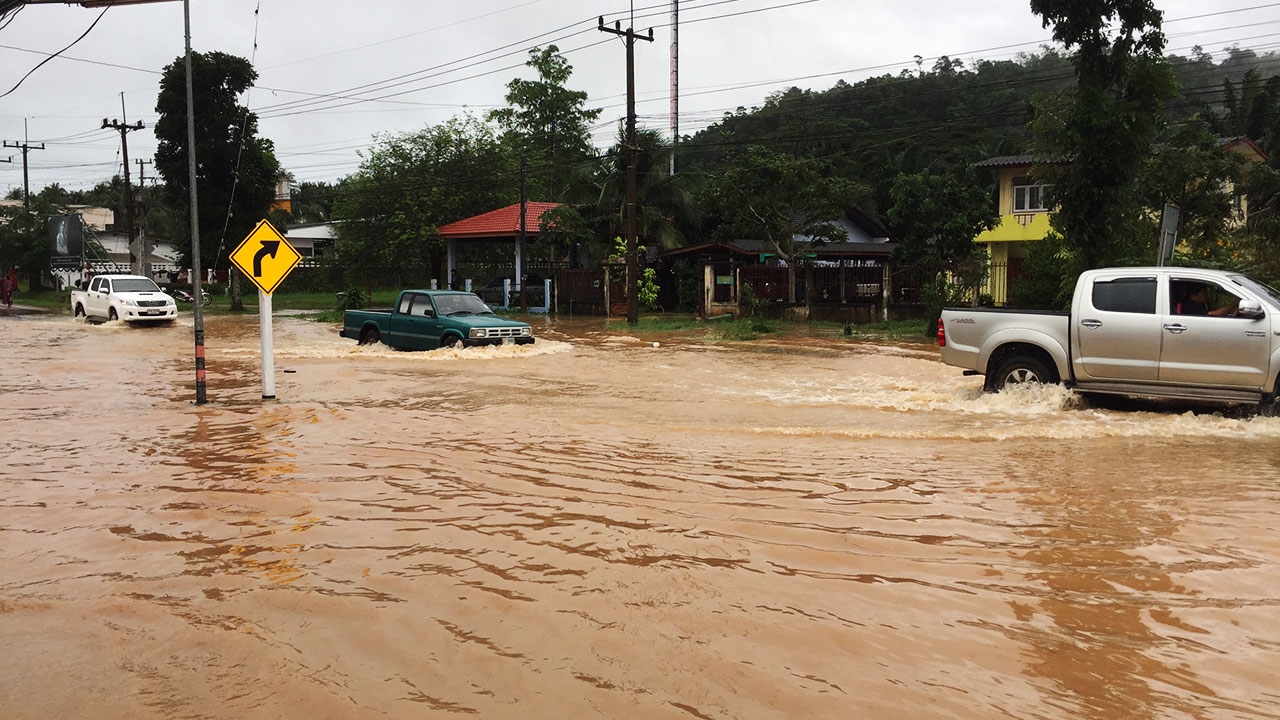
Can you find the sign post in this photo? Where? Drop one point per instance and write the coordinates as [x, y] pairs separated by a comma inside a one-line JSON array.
[[266, 258]]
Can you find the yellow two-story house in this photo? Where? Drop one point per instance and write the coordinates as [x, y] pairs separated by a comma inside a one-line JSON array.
[[1024, 212]]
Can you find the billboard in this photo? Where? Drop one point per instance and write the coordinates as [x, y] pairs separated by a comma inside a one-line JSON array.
[[66, 241]]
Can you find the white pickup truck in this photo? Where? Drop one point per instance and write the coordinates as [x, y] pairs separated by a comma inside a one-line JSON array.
[[1164, 332], [131, 298]]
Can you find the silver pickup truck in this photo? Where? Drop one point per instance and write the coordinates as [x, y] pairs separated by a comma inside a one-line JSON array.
[[1164, 332]]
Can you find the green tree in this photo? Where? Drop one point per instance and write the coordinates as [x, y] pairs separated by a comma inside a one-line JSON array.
[[412, 183], [1191, 170], [236, 170], [547, 123], [664, 203], [1104, 127], [312, 202], [565, 229], [937, 217], [24, 240], [777, 197]]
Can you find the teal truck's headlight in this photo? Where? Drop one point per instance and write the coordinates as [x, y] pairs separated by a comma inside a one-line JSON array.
[[479, 332], [526, 330]]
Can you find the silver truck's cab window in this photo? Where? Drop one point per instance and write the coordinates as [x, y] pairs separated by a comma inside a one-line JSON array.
[[1125, 295], [1191, 296]]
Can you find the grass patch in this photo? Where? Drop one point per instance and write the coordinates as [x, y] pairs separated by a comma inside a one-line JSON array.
[[896, 329], [714, 330]]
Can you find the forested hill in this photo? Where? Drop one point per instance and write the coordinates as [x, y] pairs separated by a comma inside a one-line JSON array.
[[954, 115]]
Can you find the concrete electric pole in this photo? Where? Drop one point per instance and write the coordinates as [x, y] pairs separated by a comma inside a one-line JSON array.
[[26, 183], [140, 264], [633, 265]]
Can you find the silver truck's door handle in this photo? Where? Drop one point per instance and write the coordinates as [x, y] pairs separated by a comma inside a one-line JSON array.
[[1091, 324], [1176, 328]]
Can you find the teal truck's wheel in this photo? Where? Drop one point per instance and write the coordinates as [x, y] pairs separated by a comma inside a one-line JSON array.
[[370, 336], [451, 341]]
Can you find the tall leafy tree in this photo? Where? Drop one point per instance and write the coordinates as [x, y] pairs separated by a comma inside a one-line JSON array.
[[777, 197], [236, 170], [24, 238], [1191, 170], [1104, 126], [410, 184], [937, 216], [548, 123]]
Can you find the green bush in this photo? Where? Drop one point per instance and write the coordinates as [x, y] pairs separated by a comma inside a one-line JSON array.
[[353, 299]]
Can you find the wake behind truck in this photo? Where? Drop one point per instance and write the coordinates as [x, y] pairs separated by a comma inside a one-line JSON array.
[[1160, 332], [429, 319]]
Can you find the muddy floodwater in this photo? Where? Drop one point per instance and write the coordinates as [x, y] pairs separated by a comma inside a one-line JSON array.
[[808, 526]]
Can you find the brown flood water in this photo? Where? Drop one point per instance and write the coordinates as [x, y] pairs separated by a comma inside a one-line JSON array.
[[594, 527]]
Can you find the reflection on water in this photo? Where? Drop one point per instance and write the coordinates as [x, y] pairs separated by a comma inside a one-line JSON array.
[[597, 527]]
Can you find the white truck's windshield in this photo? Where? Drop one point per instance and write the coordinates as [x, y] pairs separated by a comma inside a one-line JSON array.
[[134, 285]]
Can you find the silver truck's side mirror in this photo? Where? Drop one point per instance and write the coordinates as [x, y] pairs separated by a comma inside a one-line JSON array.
[[1251, 309]]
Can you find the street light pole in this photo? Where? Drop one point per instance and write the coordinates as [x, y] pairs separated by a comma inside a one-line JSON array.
[[198, 306]]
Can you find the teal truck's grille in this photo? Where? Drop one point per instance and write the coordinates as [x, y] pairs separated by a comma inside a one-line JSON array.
[[505, 332]]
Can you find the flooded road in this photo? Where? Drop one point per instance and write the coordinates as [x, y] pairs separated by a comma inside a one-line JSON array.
[[595, 527]]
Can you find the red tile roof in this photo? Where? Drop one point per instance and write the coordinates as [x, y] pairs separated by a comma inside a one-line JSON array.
[[501, 223]]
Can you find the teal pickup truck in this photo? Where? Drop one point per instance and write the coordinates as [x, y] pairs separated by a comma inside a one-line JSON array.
[[429, 319]]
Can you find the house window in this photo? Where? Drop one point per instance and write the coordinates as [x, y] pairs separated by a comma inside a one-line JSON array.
[[1030, 195]]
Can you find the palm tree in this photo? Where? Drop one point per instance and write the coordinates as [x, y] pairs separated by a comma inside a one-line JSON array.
[[663, 201]]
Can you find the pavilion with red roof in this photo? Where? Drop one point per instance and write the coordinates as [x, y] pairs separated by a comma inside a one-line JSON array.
[[499, 225]]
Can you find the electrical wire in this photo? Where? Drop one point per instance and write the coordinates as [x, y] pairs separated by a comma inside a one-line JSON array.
[[73, 42]]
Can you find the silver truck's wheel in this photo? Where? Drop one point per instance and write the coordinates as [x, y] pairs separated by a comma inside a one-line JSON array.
[[370, 337], [79, 310], [1020, 370], [111, 315]]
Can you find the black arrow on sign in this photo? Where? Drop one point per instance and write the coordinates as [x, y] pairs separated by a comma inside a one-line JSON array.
[[269, 247]]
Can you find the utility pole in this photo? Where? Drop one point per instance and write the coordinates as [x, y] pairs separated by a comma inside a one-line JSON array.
[[26, 183], [140, 262], [144, 239], [633, 266], [675, 81], [523, 261]]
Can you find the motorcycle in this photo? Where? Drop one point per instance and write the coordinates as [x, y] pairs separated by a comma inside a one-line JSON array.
[[185, 297]]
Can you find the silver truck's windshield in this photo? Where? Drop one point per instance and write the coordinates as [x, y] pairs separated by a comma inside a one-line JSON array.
[[460, 304], [1266, 292], [133, 285]]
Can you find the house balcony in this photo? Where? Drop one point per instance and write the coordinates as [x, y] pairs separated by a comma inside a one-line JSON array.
[[1017, 227]]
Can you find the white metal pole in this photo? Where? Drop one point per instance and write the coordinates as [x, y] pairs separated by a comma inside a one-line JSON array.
[[268, 346]]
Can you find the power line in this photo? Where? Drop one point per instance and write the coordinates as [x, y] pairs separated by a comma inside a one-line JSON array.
[[73, 42]]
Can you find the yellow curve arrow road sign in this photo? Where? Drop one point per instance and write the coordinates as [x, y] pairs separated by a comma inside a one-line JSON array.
[[265, 257]]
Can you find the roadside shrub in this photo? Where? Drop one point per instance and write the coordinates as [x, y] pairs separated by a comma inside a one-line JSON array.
[[353, 299], [648, 292]]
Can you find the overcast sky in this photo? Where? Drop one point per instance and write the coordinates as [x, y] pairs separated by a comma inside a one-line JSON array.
[[335, 73]]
